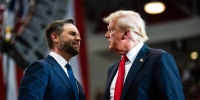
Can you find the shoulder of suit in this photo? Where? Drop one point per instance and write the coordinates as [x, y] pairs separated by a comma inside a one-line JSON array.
[[41, 63], [37, 65], [157, 51]]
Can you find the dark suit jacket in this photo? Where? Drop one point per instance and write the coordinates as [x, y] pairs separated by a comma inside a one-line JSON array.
[[155, 78], [46, 80]]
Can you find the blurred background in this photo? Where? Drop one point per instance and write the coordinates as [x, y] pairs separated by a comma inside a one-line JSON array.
[[172, 25]]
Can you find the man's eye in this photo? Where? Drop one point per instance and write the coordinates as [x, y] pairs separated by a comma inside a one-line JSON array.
[[73, 33]]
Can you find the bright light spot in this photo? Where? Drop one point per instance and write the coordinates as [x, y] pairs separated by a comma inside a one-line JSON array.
[[154, 7], [194, 55]]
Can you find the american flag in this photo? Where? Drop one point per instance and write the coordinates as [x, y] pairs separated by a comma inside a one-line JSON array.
[[10, 73]]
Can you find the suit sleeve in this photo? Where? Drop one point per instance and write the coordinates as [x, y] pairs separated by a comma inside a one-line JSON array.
[[168, 79], [34, 83]]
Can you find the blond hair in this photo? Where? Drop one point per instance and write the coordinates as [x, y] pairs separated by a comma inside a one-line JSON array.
[[128, 20]]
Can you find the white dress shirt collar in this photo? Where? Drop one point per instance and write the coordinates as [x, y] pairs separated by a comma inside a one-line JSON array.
[[131, 55], [61, 61]]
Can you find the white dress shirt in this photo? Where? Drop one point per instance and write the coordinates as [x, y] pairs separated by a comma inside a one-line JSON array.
[[61, 61], [131, 55]]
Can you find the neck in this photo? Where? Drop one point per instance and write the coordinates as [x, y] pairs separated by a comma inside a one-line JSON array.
[[128, 47], [60, 52], [133, 44]]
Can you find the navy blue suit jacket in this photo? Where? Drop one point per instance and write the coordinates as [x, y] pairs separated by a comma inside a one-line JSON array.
[[156, 77], [46, 80]]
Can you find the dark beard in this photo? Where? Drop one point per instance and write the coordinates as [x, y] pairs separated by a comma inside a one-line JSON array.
[[68, 48]]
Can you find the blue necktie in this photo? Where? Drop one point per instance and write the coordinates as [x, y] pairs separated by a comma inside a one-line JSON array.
[[72, 80]]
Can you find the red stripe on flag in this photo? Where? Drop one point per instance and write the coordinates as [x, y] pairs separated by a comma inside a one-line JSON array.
[[2, 82], [83, 54], [19, 75]]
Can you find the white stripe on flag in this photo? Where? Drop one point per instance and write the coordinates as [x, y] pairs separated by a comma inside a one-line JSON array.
[[10, 77]]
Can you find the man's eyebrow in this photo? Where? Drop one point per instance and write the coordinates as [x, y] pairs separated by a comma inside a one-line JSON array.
[[74, 32], [71, 31]]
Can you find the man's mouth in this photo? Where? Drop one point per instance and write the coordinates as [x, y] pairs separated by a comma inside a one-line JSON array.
[[109, 42], [76, 44]]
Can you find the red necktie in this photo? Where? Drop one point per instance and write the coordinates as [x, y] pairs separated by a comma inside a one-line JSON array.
[[120, 79]]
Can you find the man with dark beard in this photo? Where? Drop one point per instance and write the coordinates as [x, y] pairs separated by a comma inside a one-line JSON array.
[[52, 78]]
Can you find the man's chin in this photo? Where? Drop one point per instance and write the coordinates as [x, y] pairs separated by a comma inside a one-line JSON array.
[[74, 53], [110, 47], [77, 50], [76, 47]]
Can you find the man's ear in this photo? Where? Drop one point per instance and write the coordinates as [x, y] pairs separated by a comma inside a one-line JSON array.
[[55, 37], [127, 34]]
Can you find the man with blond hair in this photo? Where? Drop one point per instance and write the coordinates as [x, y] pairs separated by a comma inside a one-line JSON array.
[[142, 73]]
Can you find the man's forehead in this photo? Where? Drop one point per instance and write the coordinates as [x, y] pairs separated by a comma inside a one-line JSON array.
[[112, 22], [108, 26], [70, 26], [111, 25]]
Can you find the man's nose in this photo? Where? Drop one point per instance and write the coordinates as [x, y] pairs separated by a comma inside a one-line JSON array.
[[78, 38], [107, 35]]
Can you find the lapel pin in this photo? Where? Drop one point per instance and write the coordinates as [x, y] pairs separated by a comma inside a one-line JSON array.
[[141, 60]]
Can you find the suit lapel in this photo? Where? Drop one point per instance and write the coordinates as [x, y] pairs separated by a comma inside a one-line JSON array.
[[60, 72], [110, 78], [139, 60]]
